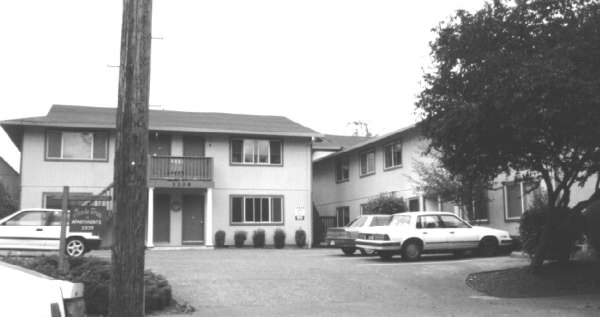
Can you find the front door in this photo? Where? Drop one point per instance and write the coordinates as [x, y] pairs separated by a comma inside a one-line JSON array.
[[162, 218], [193, 219]]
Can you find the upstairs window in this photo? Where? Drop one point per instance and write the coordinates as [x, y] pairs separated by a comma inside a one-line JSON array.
[[256, 152], [77, 145], [342, 170], [393, 155], [367, 163]]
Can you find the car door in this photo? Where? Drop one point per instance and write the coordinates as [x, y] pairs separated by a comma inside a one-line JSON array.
[[460, 234], [24, 231], [432, 232]]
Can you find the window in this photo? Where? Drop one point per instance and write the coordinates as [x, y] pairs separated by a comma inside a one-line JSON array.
[[367, 163], [380, 221], [414, 205], [256, 210], [428, 222], [480, 208], [400, 220], [453, 222], [515, 198], [392, 155], [29, 218], [256, 152], [74, 145], [54, 200], [342, 216], [342, 170]]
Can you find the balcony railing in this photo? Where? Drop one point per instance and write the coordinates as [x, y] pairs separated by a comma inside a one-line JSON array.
[[181, 168]]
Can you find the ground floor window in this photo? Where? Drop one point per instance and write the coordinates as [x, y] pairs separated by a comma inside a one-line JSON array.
[[342, 216], [54, 200], [516, 198], [413, 204], [256, 209]]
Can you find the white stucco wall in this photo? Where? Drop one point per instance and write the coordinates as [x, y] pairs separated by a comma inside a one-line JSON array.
[[39, 175], [328, 195]]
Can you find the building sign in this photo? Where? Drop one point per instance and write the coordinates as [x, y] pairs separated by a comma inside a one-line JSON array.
[[86, 218], [299, 213]]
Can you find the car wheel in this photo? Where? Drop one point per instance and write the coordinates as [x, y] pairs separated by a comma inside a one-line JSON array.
[[75, 247], [411, 251], [488, 247], [348, 251], [367, 252], [385, 255]]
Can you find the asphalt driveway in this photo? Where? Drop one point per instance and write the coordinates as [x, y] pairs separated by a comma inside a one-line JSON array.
[[323, 282]]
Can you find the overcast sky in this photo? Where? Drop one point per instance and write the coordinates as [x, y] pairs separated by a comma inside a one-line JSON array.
[[321, 63]]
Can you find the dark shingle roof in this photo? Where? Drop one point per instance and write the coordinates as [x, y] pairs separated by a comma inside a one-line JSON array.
[[337, 142], [369, 142], [165, 120]]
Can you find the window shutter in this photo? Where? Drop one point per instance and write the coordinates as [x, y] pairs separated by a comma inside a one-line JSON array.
[[275, 152], [277, 210], [236, 151]]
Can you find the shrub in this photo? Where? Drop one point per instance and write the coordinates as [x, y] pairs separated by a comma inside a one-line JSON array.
[[386, 204], [565, 230], [300, 238], [258, 238], [592, 223], [239, 238], [279, 238], [94, 273], [220, 239]]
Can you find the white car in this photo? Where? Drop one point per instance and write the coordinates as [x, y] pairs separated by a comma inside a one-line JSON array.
[[26, 293], [343, 237], [414, 233], [39, 230]]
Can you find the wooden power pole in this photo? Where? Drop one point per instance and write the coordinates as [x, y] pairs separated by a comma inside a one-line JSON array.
[[131, 158]]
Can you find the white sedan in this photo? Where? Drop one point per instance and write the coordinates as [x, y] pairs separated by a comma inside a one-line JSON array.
[[414, 233]]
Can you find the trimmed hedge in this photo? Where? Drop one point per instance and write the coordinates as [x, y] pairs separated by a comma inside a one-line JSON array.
[[258, 238], [279, 238], [94, 273], [220, 239], [300, 238], [239, 238]]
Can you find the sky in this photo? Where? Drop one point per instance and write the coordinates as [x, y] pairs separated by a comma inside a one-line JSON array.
[[321, 63]]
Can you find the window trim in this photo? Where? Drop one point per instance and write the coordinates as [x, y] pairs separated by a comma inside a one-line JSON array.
[[256, 223], [367, 173], [393, 167], [60, 159], [269, 140], [340, 161]]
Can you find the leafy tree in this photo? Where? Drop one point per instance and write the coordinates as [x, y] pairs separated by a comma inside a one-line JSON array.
[[436, 181], [386, 204], [516, 87], [7, 203]]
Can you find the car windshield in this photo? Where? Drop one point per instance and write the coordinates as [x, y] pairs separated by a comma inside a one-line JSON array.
[[400, 220], [358, 222]]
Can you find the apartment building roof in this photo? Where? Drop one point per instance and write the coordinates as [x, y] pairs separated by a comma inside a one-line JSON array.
[[331, 142], [66, 116], [368, 142]]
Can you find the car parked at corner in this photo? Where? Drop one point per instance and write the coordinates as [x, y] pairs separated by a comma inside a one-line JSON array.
[[29, 293], [38, 229], [344, 237], [414, 233]]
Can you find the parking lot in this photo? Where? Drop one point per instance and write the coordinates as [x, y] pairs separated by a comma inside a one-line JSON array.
[[323, 282]]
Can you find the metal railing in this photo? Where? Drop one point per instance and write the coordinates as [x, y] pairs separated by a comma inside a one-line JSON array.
[[180, 167]]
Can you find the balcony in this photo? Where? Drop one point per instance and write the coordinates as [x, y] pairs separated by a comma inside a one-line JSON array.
[[179, 171]]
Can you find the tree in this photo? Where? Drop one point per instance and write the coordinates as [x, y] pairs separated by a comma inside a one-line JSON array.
[[516, 87], [360, 127], [7, 203], [131, 156], [436, 181], [386, 204]]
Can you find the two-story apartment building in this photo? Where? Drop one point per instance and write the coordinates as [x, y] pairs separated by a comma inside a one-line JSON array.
[[345, 180], [206, 171]]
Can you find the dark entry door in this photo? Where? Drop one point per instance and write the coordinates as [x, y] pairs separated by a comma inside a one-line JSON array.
[[162, 218], [193, 219]]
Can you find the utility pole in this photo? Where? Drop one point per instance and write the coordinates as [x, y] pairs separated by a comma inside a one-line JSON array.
[[131, 157]]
